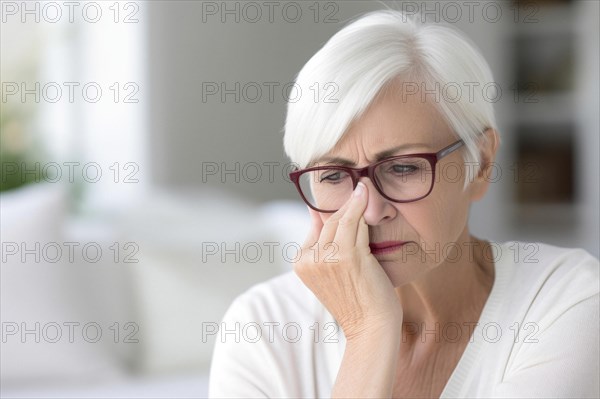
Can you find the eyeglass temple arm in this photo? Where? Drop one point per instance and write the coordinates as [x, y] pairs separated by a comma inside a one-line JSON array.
[[445, 151]]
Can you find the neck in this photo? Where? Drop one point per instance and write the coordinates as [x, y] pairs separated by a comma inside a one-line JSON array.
[[450, 295]]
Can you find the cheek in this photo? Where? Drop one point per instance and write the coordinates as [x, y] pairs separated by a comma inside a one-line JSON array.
[[441, 218]]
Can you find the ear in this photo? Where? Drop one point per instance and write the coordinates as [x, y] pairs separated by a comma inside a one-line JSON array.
[[488, 145]]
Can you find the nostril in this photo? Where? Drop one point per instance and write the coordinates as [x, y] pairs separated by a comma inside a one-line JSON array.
[[379, 209]]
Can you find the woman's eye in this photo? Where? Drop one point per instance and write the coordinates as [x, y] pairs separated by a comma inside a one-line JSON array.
[[400, 168], [331, 177]]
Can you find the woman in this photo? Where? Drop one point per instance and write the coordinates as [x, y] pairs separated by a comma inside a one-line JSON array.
[[392, 296]]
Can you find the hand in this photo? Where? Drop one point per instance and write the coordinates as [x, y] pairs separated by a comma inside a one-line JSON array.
[[336, 264]]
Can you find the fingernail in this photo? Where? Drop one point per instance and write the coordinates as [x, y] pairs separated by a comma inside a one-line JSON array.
[[358, 190]]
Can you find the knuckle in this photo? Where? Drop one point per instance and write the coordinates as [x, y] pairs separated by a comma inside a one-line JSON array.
[[347, 220], [301, 267], [333, 219], [308, 243]]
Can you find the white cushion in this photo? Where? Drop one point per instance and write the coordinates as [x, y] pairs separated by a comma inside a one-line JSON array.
[[42, 296], [180, 288]]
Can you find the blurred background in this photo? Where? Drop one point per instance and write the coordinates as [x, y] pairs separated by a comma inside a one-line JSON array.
[[144, 184]]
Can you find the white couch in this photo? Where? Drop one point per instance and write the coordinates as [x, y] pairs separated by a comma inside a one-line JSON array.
[[151, 313]]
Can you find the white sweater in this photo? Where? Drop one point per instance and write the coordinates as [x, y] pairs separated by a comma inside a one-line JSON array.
[[277, 339]]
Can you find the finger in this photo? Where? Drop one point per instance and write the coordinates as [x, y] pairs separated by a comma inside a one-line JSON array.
[[362, 237], [316, 224], [330, 226], [347, 230]]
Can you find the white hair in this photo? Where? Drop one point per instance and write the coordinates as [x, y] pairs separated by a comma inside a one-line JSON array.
[[366, 56]]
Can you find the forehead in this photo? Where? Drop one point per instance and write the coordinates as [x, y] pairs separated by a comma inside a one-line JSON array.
[[393, 119]]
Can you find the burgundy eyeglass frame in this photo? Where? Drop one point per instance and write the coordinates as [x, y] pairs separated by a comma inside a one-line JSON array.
[[369, 171]]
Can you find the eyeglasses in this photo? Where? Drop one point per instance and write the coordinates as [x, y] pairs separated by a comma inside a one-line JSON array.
[[403, 178]]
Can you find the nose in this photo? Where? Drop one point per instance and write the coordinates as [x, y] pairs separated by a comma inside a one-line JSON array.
[[379, 210]]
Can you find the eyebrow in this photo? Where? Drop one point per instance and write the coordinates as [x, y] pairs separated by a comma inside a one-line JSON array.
[[378, 157]]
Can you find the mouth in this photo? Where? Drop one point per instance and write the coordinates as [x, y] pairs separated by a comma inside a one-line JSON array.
[[379, 248]]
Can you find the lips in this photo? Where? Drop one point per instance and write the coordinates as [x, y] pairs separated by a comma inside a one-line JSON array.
[[385, 246]]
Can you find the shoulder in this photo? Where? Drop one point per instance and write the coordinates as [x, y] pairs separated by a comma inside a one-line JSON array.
[[279, 298], [547, 265], [545, 281], [271, 325], [548, 299]]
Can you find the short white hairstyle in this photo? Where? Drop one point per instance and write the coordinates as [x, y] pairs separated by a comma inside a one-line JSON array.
[[364, 58]]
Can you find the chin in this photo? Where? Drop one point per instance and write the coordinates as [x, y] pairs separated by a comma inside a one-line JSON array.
[[402, 272]]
